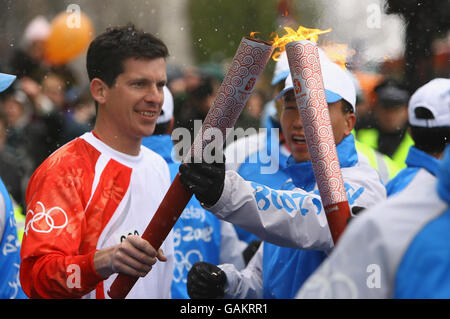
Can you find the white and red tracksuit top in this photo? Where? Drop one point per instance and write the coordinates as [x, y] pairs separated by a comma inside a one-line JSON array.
[[87, 196]]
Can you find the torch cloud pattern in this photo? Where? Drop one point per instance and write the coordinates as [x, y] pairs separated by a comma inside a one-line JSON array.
[[304, 63]]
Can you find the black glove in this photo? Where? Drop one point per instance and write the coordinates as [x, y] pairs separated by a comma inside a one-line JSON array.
[[205, 180], [206, 281], [250, 250]]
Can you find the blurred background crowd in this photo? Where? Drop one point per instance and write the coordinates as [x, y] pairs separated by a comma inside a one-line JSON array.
[[393, 47]]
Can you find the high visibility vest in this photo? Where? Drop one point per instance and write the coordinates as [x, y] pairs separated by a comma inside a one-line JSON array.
[[370, 138], [385, 166], [20, 220]]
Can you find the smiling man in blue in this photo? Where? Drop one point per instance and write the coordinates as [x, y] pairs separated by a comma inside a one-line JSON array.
[[293, 216]]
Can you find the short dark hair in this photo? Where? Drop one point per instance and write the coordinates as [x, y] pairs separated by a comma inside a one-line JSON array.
[[430, 139], [109, 50]]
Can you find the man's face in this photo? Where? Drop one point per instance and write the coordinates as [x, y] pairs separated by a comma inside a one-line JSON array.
[[391, 119], [294, 133], [132, 105]]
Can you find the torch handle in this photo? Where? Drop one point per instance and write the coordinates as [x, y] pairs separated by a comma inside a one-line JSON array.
[[306, 73], [337, 218], [170, 209], [122, 286]]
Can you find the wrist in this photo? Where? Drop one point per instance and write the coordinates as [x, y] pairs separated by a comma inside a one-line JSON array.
[[102, 262]]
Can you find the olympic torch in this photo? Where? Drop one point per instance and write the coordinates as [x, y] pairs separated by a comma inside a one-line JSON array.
[[247, 65], [304, 64]]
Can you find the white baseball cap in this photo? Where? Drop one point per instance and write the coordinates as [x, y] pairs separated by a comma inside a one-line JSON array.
[[429, 106], [337, 82], [38, 29], [6, 80], [167, 108]]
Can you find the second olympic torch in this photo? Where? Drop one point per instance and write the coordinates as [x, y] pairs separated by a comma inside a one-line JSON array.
[[304, 64], [247, 65]]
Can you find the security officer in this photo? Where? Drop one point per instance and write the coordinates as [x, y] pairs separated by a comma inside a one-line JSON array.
[[388, 133]]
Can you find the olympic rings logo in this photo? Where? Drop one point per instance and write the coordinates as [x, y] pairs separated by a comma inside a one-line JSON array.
[[184, 263], [36, 222]]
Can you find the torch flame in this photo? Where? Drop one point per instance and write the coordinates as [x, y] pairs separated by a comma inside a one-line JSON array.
[[252, 34], [338, 53], [302, 33]]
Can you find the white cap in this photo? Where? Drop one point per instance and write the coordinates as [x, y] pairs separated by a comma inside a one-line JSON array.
[[434, 99], [167, 108], [6, 80], [337, 82], [38, 29]]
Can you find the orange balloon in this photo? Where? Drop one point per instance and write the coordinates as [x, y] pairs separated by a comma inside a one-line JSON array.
[[70, 35]]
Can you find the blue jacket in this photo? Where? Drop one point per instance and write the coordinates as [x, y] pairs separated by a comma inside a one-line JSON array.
[[251, 170], [286, 269], [424, 269], [415, 161], [397, 249], [197, 233], [10, 253]]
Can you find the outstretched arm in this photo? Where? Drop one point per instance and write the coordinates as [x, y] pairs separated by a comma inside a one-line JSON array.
[[287, 218]]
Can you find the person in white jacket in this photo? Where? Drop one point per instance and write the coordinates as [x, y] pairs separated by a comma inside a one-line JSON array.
[[399, 248], [292, 217]]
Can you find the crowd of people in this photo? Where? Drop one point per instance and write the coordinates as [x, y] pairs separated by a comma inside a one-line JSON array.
[[85, 167]]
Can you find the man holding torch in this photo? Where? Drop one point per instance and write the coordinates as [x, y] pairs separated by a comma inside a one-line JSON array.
[[292, 217], [89, 202]]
